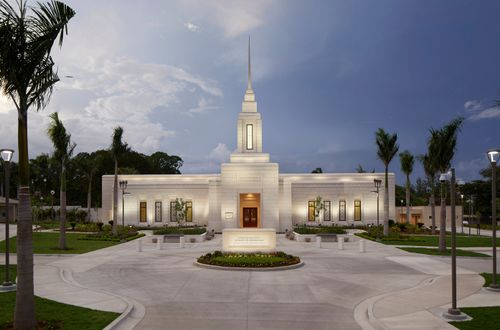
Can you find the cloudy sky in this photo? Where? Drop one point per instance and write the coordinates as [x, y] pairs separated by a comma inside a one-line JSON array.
[[327, 75]]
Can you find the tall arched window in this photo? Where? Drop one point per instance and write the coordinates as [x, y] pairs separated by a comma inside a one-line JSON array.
[[342, 210], [249, 136]]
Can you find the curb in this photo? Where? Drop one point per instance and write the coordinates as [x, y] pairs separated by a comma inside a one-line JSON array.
[[363, 312], [125, 317], [252, 269]]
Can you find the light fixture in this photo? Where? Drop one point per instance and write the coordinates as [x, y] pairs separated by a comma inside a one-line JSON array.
[[7, 154], [493, 155], [123, 184]]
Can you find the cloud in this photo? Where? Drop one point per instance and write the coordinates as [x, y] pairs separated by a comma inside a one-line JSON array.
[[106, 93], [490, 113], [220, 153], [204, 105], [192, 27], [473, 105]]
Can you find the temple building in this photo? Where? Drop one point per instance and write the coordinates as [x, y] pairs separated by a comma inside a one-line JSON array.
[[249, 191]]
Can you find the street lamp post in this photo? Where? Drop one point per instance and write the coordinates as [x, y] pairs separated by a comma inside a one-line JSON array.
[[493, 156], [123, 186], [6, 154], [453, 313], [377, 183], [462, 217]]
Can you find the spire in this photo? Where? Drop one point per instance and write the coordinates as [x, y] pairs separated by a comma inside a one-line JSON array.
[[249, 87]]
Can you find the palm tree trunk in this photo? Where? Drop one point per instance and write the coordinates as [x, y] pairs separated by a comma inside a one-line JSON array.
[[408, 215], [386, 202], [24, 313], [62, 217], [89, 199], [442, 220], [433, 212], [115, 200]]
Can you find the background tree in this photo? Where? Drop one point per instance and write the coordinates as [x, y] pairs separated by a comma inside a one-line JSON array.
[[118, 148], [27, 76], [63, 149], [317, 170], [407, 160], [442, 146], [387, 148], [430, 171], [88, 164]]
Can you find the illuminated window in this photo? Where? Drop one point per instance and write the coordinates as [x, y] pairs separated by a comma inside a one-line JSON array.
[[143, 212], [357, 210], [342, 210], [311, 210], [173, 212], [249, 136], [189, 211], [326, 212], [158, 215]]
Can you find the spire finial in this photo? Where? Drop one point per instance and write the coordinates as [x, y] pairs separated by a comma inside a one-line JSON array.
[[249, 87]]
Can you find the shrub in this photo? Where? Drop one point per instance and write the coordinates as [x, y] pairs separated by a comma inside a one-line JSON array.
[[264, 260], [180, 230], [317, 230]]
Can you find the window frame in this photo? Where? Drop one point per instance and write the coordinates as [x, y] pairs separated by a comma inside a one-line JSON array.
[[173, 212], [189, 211], [327, 215], [249, 136], [158, 212], [311, 211], [143, 206], [342, 210], [357, 210]]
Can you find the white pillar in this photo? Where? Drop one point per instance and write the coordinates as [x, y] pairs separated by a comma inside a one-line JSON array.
[[362, 245], [181, 242], [318, 241], [139, 245], [341, 243], [158, 242]]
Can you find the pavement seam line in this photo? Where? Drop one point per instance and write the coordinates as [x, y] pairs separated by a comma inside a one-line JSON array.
[[67, 276]]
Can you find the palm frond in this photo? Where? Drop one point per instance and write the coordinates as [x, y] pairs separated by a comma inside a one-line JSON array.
[[387, 146], [407, 161]]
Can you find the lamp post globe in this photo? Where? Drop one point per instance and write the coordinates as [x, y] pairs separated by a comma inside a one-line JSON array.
[[493, 157]]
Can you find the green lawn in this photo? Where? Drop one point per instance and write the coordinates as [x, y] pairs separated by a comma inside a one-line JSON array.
[[56, 315], [482, 318], [427, 240], [488, 277], [46, 243], [436, 252], [12, 273]]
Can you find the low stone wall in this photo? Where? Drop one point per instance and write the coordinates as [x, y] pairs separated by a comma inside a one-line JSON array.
[[174, 238], [312, 237]]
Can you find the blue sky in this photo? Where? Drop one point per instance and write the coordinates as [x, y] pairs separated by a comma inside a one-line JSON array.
[[327, 75]]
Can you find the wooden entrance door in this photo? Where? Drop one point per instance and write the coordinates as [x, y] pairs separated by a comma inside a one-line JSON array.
[[250, 217]]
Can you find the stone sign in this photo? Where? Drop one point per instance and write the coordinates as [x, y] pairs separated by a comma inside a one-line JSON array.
[[249, 240]]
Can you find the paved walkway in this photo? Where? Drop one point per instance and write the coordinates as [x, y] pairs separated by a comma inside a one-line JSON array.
[[384, 288]]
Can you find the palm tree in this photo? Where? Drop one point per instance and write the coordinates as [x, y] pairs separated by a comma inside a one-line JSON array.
[[118, 148], [430, 172], [387, 149], [407, 160], [88, 164], [27, 76], [442, 145], [63, 149]]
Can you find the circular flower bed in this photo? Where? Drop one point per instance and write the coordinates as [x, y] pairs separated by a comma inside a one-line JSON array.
[[251, 260]]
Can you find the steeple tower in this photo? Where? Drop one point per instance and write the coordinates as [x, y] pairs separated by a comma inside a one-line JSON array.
[[249, 126], [249, 94]]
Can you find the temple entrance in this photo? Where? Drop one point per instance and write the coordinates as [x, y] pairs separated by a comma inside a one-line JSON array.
[[249, 210], [249, 217]]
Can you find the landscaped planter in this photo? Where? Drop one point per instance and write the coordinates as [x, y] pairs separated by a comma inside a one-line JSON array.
[[312, 237], [175, 238], [197, 238], [304, 237]]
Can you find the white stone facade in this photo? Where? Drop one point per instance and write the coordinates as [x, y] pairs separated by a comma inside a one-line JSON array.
[[249, 191]]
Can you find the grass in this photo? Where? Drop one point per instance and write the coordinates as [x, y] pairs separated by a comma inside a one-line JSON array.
[[180, 230], [482, 318], [427, 240], [249, 260], [56, 315], [12, 273], [436, 252], [46, 243], [488, 277]]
